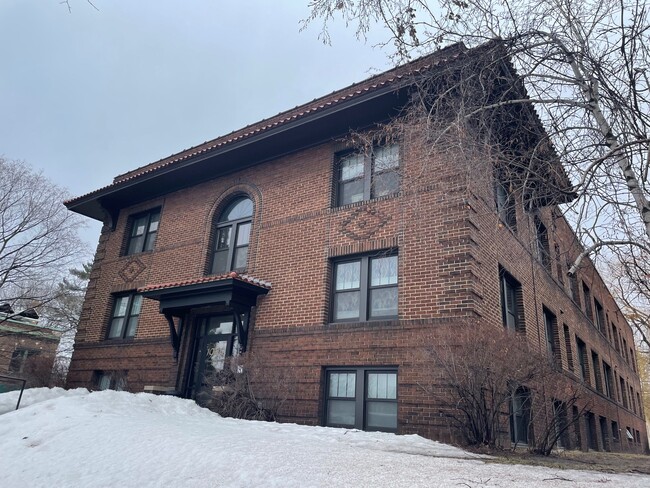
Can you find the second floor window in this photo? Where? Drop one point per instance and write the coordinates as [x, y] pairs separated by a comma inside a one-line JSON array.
[[365, 288], [511, 303], [143, 231], [232, 235], [543, 248], [552, 339], [124, 319], [365, 176], [505, 201]]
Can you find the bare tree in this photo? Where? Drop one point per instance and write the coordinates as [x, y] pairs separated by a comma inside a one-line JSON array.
[[39, 238], [62, 312], [583, 65]]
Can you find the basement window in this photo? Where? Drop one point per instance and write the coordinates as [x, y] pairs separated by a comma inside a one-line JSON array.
[[361, 398]]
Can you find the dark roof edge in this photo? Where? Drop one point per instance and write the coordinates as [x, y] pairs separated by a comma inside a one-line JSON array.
[[342, 96]]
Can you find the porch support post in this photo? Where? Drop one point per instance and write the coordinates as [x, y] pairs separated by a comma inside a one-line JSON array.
[[242, 334], [173, 334]]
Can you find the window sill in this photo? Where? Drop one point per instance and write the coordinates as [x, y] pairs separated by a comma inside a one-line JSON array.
[[336, 207], [119, 340], [387, 322], [141, 253]]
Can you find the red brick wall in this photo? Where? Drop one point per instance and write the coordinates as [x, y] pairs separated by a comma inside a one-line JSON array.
[[450, 244]]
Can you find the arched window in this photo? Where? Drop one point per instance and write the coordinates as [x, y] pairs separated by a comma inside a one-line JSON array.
[[232, 233]]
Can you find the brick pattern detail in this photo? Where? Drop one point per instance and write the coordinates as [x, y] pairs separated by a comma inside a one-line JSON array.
[[132, 269], [363, 223]]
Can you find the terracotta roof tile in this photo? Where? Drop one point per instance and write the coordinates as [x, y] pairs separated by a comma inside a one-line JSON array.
[[371, 84], [207, 279]]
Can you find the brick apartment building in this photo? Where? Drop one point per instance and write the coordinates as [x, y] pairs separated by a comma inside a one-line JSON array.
[[339, 265], [27, 348]]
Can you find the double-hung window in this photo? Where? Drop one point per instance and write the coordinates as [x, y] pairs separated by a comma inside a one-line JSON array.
[[587, 296], [511, 302], [505, 202], [143, 231], [364, 176], [19, 358], [361, 398], [520, 415], [601, 323], [365, 288], [124, 319], [552, 338], [543, 248]]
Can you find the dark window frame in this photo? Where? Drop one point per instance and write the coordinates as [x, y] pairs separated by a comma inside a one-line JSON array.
[[368, 177], [617, 345], [595, 361], [360, 398], [552, 335], [147, 240], [365, 286], [110, 380], [599, 315], [512, 313], [506, 205], [542, 244], [127, 317], [520, 416], [616, 434], [610, 389], [583, 360], [588, 307], [568, 347], [20, 357], [592, 438], [235, 345], [233, 228], [574, 287]]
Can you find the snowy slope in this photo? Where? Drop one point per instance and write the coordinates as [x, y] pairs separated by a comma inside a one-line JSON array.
[[116, 439]]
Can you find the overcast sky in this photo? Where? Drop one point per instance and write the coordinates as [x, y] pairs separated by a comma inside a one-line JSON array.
[[90, 94]]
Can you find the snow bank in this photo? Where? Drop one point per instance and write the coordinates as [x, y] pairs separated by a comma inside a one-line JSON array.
[[34, 395], [108, 438]]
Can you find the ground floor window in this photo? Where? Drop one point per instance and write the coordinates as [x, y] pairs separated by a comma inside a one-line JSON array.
[[560, 419], [592, 440], [19, 359], [110, 380], [361, 398], [520, 416]]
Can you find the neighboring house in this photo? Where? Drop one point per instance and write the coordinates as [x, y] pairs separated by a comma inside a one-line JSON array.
[[27, 348], [340, 266]]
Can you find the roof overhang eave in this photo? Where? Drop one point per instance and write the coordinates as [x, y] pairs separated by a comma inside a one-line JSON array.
[[100, 204]]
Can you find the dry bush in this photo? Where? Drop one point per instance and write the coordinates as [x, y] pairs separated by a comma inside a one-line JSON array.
[[482, 371], [247, 389], [39, 371]]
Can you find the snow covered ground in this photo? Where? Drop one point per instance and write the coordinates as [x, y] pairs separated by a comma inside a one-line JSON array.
[[115, 439]]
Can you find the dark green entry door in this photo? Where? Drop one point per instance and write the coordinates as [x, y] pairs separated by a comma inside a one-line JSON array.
[[215, 341]]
